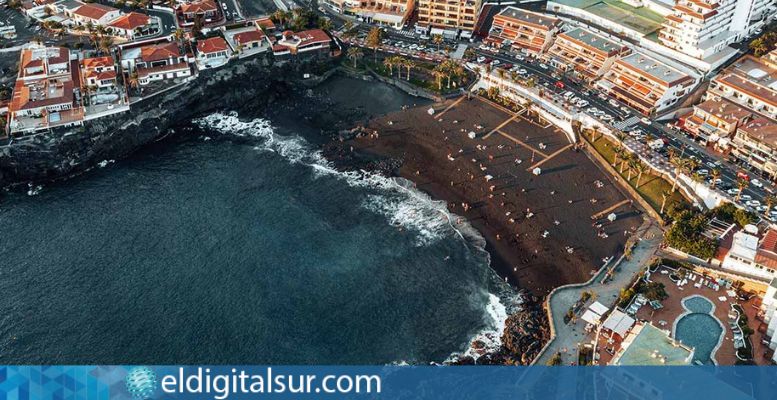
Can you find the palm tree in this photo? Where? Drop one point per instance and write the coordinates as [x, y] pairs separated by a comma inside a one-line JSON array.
[[409, 64], [438, 40], [106, 42], [641, 168], [388, 62], [438, 72], [632, 165], [502, 74], [594, 131], [325, 24], [625, 159], [769, 201], [279, 16], [617, 153], [679, 166], [179, 34], [665, 194], [742, 184], [714, 174], [133, 80], [374, 40], [355, 53]]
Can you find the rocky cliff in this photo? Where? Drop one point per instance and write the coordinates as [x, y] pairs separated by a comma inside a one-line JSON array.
[[250, 83]]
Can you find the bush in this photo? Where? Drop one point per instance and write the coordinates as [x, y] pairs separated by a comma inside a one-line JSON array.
[[555, 360], [730, 213], [625, 297], [653, 291]]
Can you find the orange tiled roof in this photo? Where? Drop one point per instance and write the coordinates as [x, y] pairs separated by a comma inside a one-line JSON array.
[[211, 45], [249, 36], [131, 21], [199, 7], [96, 62], [160, 52], [93, 10]]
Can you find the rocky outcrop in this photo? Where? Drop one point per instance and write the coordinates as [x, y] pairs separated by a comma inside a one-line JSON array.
[[244, 84]]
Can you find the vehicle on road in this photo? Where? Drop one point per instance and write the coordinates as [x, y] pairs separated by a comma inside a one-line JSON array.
[[742, 175], [543, 66], [224, 6], [756, 183], [645, 120], [613, 103], [559, 84]]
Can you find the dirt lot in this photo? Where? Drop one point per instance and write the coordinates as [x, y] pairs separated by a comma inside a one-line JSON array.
[[539, 229]]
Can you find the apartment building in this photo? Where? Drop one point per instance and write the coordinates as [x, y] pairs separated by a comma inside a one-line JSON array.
[[449, 18], [702, 28], [393, 13], [525, 31], [755, 143], [585, 52], [645, 83], [769, 314], [752, 256], [715, 118], [750, 82], [44, 92]]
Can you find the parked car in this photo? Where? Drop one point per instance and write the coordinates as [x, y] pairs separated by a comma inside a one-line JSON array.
[[733, 191], [646, 120], [543, 66], [613, 103], [756, 183]]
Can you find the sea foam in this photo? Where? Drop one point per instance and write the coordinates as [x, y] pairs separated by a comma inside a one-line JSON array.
[[395, 198]]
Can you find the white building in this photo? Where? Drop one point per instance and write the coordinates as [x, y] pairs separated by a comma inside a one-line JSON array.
[[212, 52], [702, 28], [752, 257]]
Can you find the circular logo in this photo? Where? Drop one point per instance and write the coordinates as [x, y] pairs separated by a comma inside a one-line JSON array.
[[141, 382]]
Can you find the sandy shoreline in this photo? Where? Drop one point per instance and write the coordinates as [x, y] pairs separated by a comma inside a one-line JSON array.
[[538, 229]]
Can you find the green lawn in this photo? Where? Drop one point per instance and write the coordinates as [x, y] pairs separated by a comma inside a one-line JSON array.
[[650, 187]]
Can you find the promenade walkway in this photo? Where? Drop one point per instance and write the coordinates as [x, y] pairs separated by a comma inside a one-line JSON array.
[[568, 336]]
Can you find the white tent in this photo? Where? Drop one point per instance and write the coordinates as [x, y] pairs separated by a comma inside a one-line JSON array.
[[619, 322], [598, 308], [591, 317]]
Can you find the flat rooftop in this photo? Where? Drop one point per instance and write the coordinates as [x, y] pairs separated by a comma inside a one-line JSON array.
[[650, 66], [593, 40], [650, 346], [530, 17], [752, 76], [640, 19]]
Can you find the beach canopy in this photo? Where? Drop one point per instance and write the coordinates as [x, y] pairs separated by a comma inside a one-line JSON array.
[[619, 322], [598, 308], [591, 317]]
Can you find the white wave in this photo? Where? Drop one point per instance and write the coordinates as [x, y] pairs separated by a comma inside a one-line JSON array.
[[395, 198]]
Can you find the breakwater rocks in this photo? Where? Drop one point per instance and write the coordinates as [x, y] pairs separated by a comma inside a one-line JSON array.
[[242, 85], [525, 333]]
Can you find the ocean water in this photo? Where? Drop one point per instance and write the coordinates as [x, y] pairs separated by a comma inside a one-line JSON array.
[[239, 245]]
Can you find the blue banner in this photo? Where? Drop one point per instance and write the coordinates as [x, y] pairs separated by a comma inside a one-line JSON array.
[[391, 382]]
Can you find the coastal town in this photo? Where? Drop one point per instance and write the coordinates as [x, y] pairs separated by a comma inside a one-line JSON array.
[[618, 156]]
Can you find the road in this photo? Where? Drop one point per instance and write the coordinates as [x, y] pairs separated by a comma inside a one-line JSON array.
[[625, 118]]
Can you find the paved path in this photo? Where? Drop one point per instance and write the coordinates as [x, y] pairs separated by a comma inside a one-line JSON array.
[[568, 336]]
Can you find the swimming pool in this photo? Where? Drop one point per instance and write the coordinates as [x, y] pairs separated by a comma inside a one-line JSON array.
[[698, 328]]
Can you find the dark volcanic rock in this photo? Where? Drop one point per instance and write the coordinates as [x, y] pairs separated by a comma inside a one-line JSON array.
[[244, 85]]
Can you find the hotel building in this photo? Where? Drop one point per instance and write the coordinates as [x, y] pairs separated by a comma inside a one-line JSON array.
[[646, 84], [750, 82], [585, 52], [393, 13], [702, 28], [751, 256], [525, 31], [715, 118], [44, 92], [449, 18], [755, 143]]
